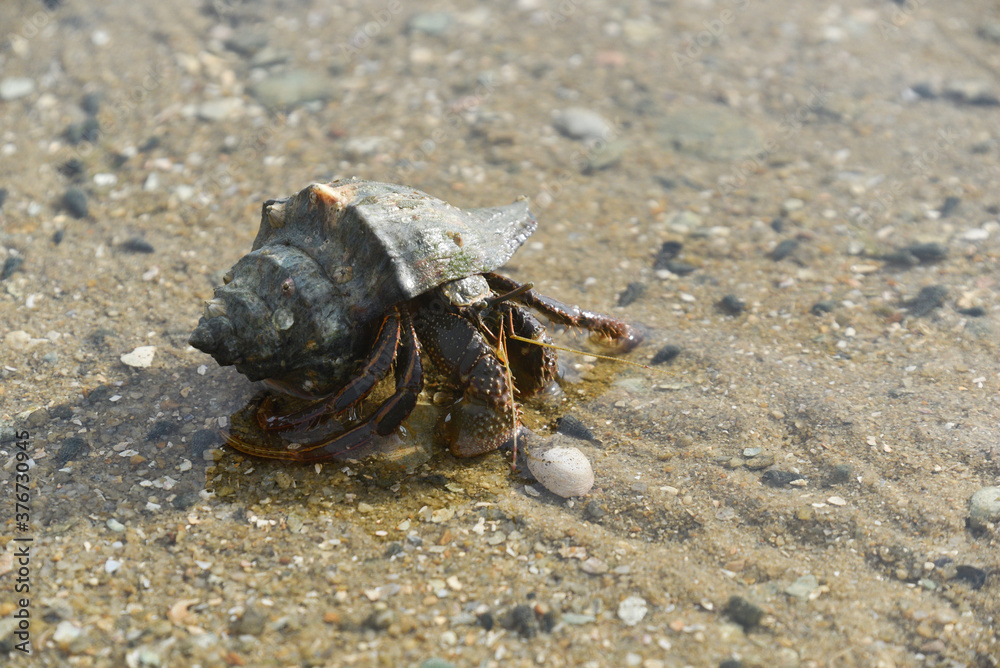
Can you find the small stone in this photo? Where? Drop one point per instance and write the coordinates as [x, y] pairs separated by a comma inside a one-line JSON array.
[[667, 353], [137, 245], [802, 587], [593, 566], [435, 662], [17, 340], [38, 418], [115, 525], [220, 109], [791, 204], [838, 475], [778, 478], [984, 507], [430, 23], [632, 610], [112, 565], [140, 358], [70, 449], [365, 508], [582, 124], [75, 202], [743, 612], [836, 501], [250, 623], [287, 89], [631, 293], [13, 88], [823, 306], [784, 249], [65, 634], [975, 234], [978, 92], [731, 305], [576, 619], [928, 299]]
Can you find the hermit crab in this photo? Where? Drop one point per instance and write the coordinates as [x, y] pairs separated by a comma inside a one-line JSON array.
[[351, 280]]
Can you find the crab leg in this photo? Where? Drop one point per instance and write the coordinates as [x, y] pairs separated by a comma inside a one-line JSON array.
[[478, 422], [385, 419], [611, 330], [375, 369]]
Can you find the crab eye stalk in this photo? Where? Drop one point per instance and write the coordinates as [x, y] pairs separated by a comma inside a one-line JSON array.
[[288, 287]]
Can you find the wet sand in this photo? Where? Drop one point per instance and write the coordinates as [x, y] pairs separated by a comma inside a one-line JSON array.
[[792, 489]]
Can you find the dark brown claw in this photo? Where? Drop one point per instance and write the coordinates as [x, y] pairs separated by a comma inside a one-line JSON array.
[[608, 331]]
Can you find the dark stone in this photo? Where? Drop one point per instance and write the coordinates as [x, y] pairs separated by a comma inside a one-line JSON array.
[[574, 428], [72, 169], [668, 251], [731, 305], [823, 306], [91, 103], [594, 511], [150, 144], [838, 475], [10, 265], [185, 500], [69, 450], [924, 90], [784, 249], [976, 577], [929, 252], [743, 612], [486, 620], [160, 429], [3, 196], [137, 245], [631, 293], [75, 202], [521, 618], [61, 412], [731, 663], [679, 268], [667, 353], [928, 299], [949, 206], [973, 312], [548, 621], [57, 237], [392, 549], [202, 440], [88, 130], [778, 225], [778, 478]]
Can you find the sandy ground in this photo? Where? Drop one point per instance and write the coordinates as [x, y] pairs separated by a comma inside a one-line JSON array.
[[847, 132]]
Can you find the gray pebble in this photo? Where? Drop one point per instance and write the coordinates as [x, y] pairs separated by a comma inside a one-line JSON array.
[[288, 89], [75, 202], [743, 612], [802, 587], [583, 124], [984, 507], [430, 23], [710, 132]]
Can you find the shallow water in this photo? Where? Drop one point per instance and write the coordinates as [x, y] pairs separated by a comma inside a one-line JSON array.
[[729, 128]]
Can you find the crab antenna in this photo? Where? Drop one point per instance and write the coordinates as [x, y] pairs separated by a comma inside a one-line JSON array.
[[490, 301]]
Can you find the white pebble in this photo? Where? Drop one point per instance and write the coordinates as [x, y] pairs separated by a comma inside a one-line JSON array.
[[632, 610], [561, 469], [140, 358], [112, 565]]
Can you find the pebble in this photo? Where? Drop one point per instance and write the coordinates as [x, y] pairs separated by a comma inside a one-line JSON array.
[[561, 468], [3, 196], [784, 249], [137, 245], [574, 428], [928, 299], [576, 619], [115, 525], [802, 587], [731, 305], [288, 89], [112, 565], [978, 92], [75, 202], [582, 124], [743, 612], [632, 610], [435, 662], [710, 132], [667, 353], [140, 358], [13, 88], [593, 566], [984, 507], [430, 23], [975, 234], [66, 634], [631, 293], [220, 109]]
